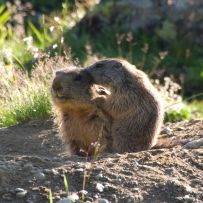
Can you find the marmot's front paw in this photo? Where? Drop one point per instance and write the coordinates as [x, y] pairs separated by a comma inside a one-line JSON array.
[[99, 100]]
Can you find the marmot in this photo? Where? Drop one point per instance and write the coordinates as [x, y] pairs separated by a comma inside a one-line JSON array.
[[134, 105], [80, 120]]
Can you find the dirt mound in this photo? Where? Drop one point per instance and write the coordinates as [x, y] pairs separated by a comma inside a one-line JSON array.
[[32, 161]]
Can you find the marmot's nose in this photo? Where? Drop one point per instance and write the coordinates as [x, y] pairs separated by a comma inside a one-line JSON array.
[[57, 87], [59, 72]]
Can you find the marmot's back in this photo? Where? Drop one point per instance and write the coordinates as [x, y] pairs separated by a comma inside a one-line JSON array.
[[134, 104]]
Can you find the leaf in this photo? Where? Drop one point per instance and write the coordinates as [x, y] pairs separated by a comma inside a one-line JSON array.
[[66, 184], [36, 32]]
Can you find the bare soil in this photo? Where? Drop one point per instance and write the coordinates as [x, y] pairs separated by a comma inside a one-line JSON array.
[[33, 158]]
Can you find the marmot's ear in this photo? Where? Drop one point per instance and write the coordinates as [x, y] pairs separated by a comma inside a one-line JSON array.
[[117, 65]]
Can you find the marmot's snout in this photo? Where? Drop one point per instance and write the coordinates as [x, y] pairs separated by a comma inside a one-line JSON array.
[[56, 85]]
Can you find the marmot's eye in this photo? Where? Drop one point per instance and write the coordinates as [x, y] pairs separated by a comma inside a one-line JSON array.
[[78, 78]]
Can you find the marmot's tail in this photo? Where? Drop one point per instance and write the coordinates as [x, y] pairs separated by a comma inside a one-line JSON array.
[[168, 143]]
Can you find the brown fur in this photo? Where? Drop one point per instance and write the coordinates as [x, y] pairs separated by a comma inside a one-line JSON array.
[[134, 104], [80, 120]]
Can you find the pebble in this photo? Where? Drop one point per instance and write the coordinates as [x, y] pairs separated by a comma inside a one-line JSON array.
[[28, 166], [99, 187], [103, 201], [99, 176], [194, 144], [82, 192], [54, 172], [48, 171], [195, 120], [47, 183], [79, 170], [19, 190], [73, 197], [40, 175], [64, 200], [89, 199], [21, 194], [180, 128], [7, 196], [70, 199], [114, 198], [29, 201], [166, 130]]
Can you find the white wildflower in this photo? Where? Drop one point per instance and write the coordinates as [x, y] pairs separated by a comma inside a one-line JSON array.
[[7, 53], [55, 46], [62, 40], [51, 28], [36, 55], [57, 19], [28, 40]]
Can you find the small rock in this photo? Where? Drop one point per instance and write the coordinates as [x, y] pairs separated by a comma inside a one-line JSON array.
[[35, 189], [194, 144], [81, 192], [103, 201], [64, 200], [98, 169], [47, 171], [21, 194], [129, 199], [40, 175], [29, 201], [195, 120], [19, 190], [99, 187], [114, 198], [180, 128], [70, 199], [96, 196], [7, 196], [47, 183], [55, 172], [166, 130], [79, 170], [28, 166], [89, 199], [57, 197], [99, 176], [73, 197]]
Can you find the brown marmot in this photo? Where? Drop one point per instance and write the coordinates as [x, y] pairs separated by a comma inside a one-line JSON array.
[[133, 104], [79, 119]]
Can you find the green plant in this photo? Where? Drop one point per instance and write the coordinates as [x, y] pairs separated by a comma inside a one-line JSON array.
[[23, 97], [175, 116], [66, 185], [50, 197]]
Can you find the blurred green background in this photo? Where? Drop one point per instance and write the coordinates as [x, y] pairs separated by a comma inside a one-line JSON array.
[[163, 38]]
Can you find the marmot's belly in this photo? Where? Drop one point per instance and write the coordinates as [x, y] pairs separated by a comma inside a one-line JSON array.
[[83, 131]]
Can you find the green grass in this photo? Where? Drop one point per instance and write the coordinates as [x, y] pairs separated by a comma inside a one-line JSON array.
[[33, 102], [189, 111], [21, 102]]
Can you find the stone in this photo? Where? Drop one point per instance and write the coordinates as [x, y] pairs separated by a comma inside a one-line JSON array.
[[39, 175], [70, 199], [99, 187], [103, 201], [194, 144], [21, 194], [7, 196]]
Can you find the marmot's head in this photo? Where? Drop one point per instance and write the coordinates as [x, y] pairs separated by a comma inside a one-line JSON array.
[[70, 86], [107, 72], [73, 87]]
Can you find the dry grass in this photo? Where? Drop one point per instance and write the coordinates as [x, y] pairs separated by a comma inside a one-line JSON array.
[[23, 97]]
